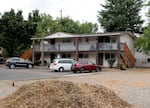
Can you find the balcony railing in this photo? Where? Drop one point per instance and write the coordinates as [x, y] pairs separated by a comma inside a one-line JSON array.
[[107, 46], [81, 47], [37, 48], [87, 47], [67, 47]]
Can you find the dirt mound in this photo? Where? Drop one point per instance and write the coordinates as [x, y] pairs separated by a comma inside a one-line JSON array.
[[62, 94]]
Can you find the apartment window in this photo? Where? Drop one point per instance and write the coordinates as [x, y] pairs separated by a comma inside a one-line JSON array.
[[86, 40], [66, 40], [80, 39], [109, 55], [66, 55], [113, 39], [107, 39], [83, 55], [148, 60]]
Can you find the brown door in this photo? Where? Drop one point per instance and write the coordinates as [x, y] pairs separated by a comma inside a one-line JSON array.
[[100, 58]]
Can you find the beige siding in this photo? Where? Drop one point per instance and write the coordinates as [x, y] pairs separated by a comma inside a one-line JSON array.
[[92, 57], [129, 40], [141, 60]]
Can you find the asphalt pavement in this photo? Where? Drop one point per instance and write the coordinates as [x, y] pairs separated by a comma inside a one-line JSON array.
[[29, 74]]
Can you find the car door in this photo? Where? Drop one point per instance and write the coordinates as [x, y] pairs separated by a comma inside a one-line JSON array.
[[91, 65], [15, 61], [85, 65], [68, 64], [21, 63]]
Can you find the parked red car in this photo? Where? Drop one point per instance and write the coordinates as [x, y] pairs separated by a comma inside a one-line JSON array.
[[82, 66]]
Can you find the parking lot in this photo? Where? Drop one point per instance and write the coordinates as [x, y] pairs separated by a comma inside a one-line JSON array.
[[132, 85], [32, 74], [28, 74]]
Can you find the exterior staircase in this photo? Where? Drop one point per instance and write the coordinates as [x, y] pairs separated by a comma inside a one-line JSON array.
[[127, 57], [27, 54]]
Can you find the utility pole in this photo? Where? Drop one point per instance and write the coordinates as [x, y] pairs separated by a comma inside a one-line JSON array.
[[61, 14]]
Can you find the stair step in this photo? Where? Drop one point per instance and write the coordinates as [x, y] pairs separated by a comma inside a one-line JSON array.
[[27, 54]]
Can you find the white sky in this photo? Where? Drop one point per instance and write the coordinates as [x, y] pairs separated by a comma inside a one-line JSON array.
[[81, 10]]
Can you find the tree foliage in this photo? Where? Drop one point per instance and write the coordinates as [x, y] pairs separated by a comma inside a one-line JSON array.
[[88, 27], [143, 42], [48, 25], [121, 15], [75, 27], [15, 32]]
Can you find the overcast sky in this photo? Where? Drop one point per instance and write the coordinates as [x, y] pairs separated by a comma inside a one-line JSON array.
[[82, 10]]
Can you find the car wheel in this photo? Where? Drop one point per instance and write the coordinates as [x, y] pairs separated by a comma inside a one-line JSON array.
[[97, 69], [12, 66], [61, 69], [30, 66], [81, 70]]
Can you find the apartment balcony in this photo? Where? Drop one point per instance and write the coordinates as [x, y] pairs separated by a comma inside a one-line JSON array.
[[54, 48], [87, 47], [81, 47], [107, 46]]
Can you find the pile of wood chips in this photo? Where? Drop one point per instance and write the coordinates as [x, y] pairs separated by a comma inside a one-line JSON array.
[[63, 94]]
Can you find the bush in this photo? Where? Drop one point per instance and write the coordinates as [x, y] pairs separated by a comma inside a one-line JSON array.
[[5, 53], [122, 67], [38, 63], [111, 62]]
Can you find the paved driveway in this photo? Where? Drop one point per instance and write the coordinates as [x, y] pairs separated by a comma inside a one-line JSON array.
[[132, 85], [27, 74], [34, 74]]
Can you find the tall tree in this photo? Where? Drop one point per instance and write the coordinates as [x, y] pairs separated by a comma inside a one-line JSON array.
[[143, 42], [88, 27], [121, 15], [46, 26], [15, 32], [69, 25]]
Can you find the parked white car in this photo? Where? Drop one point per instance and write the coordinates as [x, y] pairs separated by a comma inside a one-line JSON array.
[[61, 64]]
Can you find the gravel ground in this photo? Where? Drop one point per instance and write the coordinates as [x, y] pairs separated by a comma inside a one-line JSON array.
[[132, 85]]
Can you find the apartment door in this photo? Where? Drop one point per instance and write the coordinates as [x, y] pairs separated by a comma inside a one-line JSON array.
[[52, 41], [100, 58], [100, 39], [52, 57]]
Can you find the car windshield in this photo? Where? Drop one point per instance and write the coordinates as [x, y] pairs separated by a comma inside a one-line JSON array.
[[91, 63], [16, 60]]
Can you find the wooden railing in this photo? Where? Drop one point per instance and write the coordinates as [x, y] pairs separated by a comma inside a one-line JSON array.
[[27, 54], [72, 47], [129, 55]]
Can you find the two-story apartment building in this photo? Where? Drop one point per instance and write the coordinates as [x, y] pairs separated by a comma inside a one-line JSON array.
[[95, 47]]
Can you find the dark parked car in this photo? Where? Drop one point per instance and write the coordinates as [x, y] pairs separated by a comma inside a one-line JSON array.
[[82, 66], [2, 60], [18, 62]]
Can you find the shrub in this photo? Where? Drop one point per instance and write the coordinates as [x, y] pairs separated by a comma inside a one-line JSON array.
[[122, 67], [111, 62]]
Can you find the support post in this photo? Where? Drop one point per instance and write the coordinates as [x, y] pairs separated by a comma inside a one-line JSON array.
[[77, 45], [97, 52], [42, 52], [118, 51], [33, 47]]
